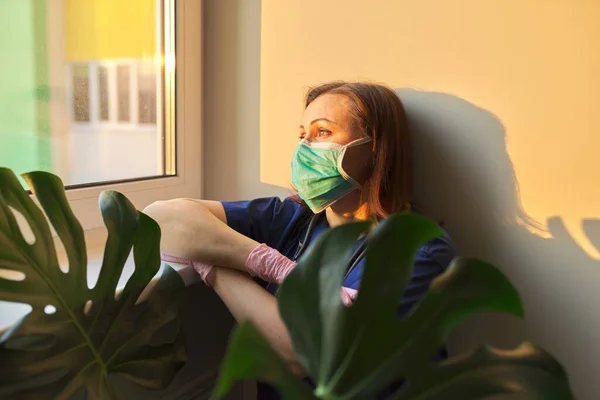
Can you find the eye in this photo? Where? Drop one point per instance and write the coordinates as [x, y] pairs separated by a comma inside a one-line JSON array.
[[324, 132]]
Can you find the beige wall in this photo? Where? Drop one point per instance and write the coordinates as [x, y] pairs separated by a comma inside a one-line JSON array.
[[502, 94]]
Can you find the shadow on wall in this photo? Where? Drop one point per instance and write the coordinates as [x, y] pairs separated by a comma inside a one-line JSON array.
[[464, 177]]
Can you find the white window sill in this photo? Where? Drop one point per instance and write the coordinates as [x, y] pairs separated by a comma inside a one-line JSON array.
[[95, 241]]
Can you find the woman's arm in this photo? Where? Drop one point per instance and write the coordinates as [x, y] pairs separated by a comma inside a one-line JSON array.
[[197, 230], [246, 300]]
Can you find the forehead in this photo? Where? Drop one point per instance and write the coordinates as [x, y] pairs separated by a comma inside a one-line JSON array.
[[331, 106]]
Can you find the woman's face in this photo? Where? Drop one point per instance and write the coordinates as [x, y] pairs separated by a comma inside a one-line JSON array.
[[327, 119]]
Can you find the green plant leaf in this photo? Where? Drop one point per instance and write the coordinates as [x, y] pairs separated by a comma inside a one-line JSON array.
[[55, 355], [383, 283], [488, 371], [403, 347], [358, 351], [302, 305], [249, 356]]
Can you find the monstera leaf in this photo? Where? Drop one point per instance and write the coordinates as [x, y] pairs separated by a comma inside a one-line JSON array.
[[356, 352], [92, 335]]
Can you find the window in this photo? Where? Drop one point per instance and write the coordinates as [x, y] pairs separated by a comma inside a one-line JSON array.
[[88, 93], [146, 74], [123, 93], [103, 92], [135, 85], [81, 93]]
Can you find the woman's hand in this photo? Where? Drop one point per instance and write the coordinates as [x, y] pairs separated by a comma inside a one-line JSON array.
[[191, 230]]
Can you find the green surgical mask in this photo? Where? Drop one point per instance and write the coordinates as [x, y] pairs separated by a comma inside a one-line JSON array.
[[317, 173]]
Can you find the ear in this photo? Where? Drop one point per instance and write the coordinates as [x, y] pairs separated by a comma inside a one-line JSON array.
[[358, 162]]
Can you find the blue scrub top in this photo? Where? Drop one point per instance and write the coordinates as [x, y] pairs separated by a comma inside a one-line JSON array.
[[282, 225]]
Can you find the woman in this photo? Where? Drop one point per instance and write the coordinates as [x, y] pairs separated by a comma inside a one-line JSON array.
[[353, 162]]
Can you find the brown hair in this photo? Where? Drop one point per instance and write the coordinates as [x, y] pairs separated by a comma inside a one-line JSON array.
[[379, 114]]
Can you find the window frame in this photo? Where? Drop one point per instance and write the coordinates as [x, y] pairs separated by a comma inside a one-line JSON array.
[[185, 118]]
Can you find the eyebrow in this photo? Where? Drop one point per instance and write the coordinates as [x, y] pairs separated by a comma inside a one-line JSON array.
[[320, 119]]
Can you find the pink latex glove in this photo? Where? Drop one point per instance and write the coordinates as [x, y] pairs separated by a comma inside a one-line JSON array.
[[270, 265], [348, 295], [204, 270]]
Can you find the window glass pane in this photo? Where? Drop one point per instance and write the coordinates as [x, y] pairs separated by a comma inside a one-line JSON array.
[[147, 92], [81, 93], [103, 92], [123, 92], [81, 89]]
